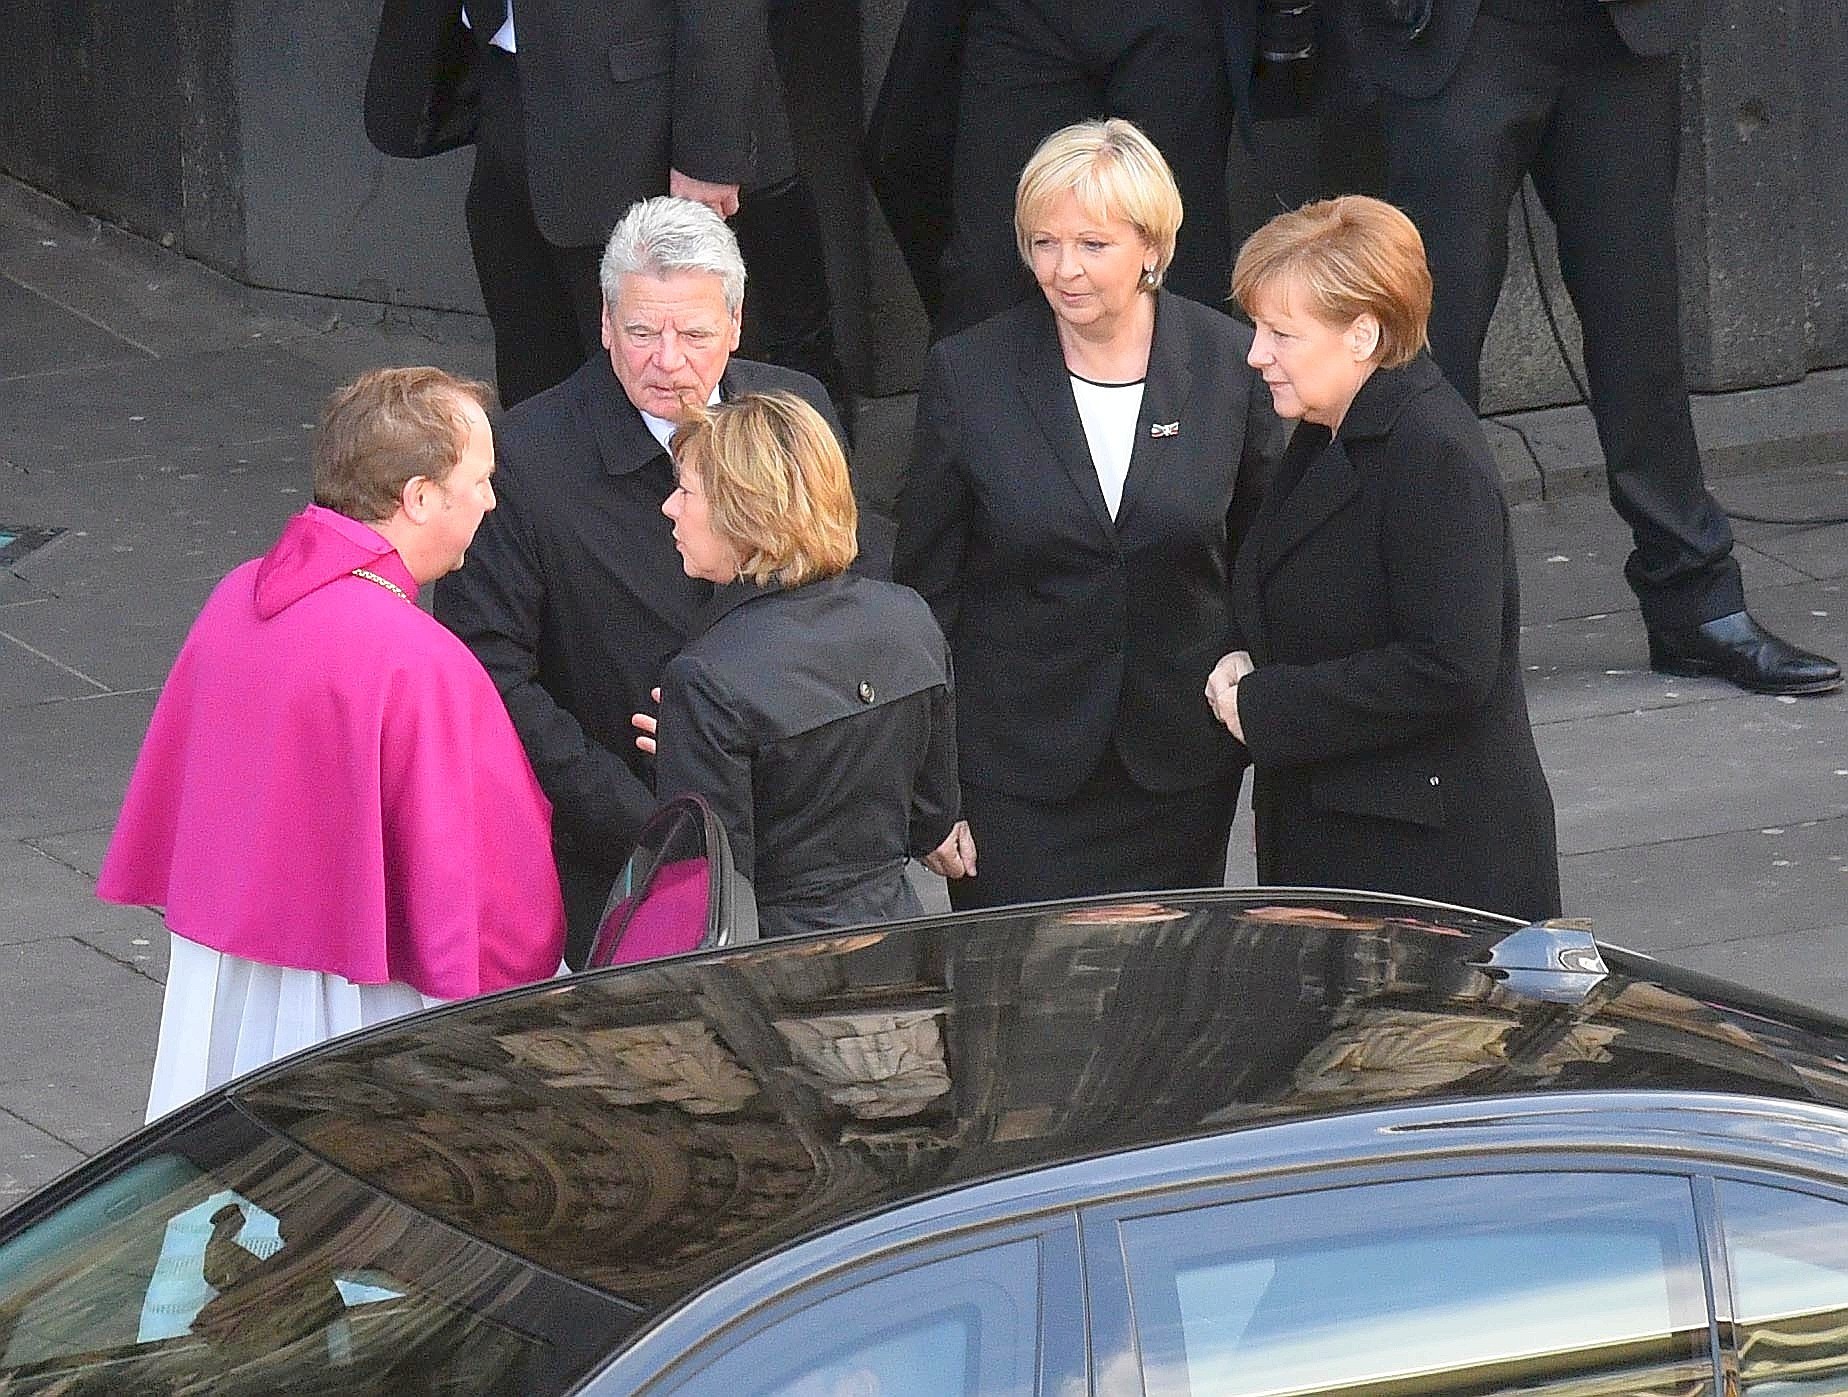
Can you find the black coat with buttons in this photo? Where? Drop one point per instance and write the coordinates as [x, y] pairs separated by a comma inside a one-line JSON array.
[[818, 721], [1386, 719]]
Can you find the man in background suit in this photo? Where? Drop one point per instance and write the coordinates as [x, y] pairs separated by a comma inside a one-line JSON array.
[[574, 600], [576, 111], [1584, 97]]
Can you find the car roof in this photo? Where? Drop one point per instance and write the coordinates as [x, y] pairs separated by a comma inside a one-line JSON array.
[[646, 1130]]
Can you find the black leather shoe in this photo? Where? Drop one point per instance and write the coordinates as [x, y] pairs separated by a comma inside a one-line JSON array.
[[1737, 648]]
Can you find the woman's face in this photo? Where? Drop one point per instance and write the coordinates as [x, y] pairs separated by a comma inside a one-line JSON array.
[[1313, 368], [1090, 269], [702, 552]]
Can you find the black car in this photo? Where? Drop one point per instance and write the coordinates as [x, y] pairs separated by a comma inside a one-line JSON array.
[[1240, 1143]]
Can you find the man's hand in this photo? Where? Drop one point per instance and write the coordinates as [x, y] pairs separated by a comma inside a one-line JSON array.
[[645, 725], [1222, 689], [955, 857], [722, 199]]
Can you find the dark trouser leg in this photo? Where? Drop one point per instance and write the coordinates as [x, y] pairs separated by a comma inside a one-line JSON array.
[[1453, 162], [1020, 83], [1606, 173], [1170, 80], [786, 302], [536, 294]]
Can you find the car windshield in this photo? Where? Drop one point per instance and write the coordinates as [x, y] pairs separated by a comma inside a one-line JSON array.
[[222, 1259]]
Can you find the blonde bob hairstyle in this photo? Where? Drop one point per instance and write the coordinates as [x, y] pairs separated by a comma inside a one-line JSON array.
[[1336, 259], [776, 486], [1114, 171]]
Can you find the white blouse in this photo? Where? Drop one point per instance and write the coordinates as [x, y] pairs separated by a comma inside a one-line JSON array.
[[1109, 412]]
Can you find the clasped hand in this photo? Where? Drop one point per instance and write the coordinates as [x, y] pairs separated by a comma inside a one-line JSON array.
[[1222, 689]]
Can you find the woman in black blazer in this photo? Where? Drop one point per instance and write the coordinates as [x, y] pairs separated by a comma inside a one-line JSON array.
[[1377, 682], [1081, 472], [814, 710]]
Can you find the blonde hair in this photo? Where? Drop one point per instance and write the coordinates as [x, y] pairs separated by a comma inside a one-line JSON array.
[[1348, 256], [1114, 171], [776, 486], [385, 428]]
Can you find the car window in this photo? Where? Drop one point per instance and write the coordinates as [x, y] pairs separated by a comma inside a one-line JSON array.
[[225, 1260], [1787, 1253], [1573, 1284], [961, 1324]]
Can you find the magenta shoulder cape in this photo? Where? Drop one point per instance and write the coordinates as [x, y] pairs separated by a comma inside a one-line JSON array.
[[330, 782]]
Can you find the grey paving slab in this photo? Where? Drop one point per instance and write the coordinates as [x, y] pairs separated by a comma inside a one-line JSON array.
[[1570, 554], [1621, 780], [1805, 966], [113, 641], [159, 408], [93, 1023], [81, 849], [1580, 667], [1817, 550], [46, 898], [68, 763], [29, 675], [1744, 884], [153, 521], [138, 291], [29, 1158], [37, 335]]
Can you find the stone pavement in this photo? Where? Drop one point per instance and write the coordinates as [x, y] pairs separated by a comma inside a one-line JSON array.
[[159, 415]]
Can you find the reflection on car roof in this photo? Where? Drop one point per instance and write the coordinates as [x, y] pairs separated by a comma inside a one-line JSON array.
[[646, 1130]]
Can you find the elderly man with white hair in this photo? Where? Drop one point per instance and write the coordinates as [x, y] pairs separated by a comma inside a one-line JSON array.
[[573, 596]]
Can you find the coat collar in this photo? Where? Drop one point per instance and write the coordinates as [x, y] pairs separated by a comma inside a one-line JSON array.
[[623, 439], [1046, 386], [1376, 407], [728, 598]]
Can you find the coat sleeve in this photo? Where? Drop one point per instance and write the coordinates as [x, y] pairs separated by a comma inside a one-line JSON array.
[[1443, 537], [935, 504], [936, 800], [497, 605], [721, 66], [705, 747]]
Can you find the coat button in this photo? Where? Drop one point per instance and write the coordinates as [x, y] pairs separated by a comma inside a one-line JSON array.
[[1433, 780], [866, 691]]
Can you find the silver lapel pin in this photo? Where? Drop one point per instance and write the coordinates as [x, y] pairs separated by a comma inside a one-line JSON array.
[[1164, 429]]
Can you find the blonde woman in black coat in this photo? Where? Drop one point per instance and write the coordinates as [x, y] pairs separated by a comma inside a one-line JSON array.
[[813, 710], [1083, 467], [1377, 685]]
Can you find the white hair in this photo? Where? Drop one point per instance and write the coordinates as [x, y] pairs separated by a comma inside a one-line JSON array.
[[664, 235]]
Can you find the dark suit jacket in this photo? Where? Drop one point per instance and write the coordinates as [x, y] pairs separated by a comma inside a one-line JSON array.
[[1386, 719], [818, 724], [573, 599], [613, 96], [911, 135], [1421, 67], [1072, 633]]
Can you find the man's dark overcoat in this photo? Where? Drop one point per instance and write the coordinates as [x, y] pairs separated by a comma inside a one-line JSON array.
[[1386, 719], [573, 598]]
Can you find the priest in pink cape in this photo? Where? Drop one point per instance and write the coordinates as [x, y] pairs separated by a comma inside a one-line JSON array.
[[331, 805]]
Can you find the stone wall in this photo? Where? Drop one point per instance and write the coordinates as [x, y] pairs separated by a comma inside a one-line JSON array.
[[232, 131]]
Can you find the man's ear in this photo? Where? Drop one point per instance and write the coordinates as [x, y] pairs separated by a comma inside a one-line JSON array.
[[609, 330], [737, 328], [415, 499]]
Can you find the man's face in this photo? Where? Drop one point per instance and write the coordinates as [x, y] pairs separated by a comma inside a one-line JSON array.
[[465, 495], [669, 340]]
